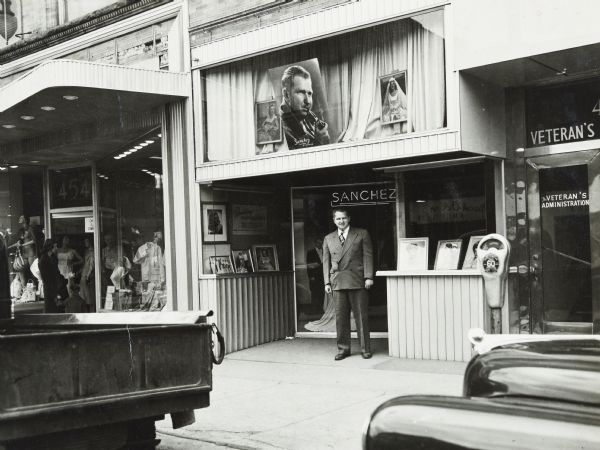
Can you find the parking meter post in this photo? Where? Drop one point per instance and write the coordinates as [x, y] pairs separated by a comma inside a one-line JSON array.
[[492, 261], [496, 321]]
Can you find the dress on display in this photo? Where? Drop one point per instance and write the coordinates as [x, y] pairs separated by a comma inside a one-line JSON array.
[[152, 260], [327, 320], [88, 288], [65, 262]]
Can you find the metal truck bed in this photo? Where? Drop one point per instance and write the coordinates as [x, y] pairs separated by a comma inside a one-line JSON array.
[[66, 372]]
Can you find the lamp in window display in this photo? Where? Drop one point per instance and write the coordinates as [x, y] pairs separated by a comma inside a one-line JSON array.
[[268, 123], [303, 103], [393, 97]]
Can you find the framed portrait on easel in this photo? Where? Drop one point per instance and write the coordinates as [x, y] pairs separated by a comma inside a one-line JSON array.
[[470, 261], [265, 257], [413, 253], [448, 254]]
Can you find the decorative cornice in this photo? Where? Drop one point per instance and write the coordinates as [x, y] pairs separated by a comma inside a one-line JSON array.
[[85, 24]]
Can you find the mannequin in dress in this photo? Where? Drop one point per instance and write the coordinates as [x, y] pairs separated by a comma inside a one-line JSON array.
[[88, 283], [68, 258], [150, 256]]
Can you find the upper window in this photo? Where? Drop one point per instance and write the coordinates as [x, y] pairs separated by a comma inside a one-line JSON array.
[[369, 84]]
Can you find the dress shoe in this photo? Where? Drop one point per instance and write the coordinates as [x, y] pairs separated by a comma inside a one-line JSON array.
[[341, 355], [366, 355]]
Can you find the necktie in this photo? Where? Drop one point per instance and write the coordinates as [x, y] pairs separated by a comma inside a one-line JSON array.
[[342, 238]]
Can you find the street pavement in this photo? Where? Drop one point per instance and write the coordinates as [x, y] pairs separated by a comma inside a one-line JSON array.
[[291, 394]]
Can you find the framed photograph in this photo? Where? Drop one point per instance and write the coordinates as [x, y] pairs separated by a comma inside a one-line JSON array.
[[470, 261], [242, 261], [268, 123], [265, 257], [393, 97], [214, 222], [448, 254], [221, 264], [249, 219], [413, 253], [302, 75]]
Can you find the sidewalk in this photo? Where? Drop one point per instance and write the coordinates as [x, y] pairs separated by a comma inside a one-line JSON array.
[[291, 394]]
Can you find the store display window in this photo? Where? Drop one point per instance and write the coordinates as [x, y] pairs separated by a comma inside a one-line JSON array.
[[22, 233], [448, 210], [131, 210], [245, 230], [369, 84]]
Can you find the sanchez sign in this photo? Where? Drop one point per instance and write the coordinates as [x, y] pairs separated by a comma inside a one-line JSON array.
[[363, 196], [557, 115]]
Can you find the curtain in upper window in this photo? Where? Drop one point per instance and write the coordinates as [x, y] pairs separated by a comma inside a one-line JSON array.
[[356, 71]]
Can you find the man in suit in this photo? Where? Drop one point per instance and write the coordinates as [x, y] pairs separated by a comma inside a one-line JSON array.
[[348, 273]]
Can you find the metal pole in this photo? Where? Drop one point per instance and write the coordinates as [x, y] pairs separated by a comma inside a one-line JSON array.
[[5, 21], [496, 320]]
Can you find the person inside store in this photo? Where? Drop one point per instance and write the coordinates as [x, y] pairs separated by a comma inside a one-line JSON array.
[[348, 274], [87, 283], [55, 289], [68, 258], [110, 262], [26, 247], [301, 126], [74, 303]]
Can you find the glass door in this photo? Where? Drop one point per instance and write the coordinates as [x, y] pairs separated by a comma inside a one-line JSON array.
[[73, 231], [563, 195]]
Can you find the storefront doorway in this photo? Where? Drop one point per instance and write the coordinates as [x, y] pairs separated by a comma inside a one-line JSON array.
[[372, 207], [562, 197]]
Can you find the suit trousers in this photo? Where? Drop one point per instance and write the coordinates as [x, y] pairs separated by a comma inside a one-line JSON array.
[[358, 301]]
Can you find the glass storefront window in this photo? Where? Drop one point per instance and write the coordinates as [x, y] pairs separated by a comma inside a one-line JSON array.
[[23, 230], [132, 249], [372, 207], [450, 204], [373, 83]]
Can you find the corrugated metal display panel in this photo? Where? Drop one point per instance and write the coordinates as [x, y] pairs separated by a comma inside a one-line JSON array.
[[306, 27], [64, 72], [429, 316], [437, 142], [208, 295], [251, 310]]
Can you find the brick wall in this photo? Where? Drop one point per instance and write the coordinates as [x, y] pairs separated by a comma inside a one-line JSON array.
[[210, 20]]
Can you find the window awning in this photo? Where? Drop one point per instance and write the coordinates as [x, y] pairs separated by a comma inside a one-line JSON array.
[[67, 95], [431, 164]]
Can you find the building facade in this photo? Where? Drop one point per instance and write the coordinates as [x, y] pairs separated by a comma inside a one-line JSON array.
[[95, 150], [264, 115]]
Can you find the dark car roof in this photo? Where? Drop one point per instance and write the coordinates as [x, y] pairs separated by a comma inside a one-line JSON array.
[[452, 423], [561, 369]]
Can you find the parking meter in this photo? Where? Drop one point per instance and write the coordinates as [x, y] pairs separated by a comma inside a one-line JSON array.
[[492, 261]]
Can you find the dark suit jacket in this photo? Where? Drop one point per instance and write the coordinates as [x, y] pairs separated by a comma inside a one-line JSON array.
[[347, 266], [52, 279]]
